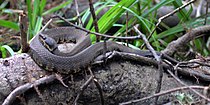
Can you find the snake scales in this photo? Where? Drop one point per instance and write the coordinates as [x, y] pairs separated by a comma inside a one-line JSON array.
[[81, 55]]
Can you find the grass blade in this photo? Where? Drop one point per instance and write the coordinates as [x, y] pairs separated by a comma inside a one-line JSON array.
[[41, 7], [9, 24], [4, 50], [112, 16], [144, 15], [35, 12], [163, 2], [57, 7], [182, 14], [29, 8], [38, 25]]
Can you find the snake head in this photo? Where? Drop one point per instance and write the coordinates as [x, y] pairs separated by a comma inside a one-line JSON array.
[[48, 42]]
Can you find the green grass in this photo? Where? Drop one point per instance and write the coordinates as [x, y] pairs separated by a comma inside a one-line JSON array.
[[9, 24], [110, 17], [35, 15], [141, 12], [4, 49]]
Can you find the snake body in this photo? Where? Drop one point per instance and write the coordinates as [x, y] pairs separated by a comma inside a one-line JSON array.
[[81, 55]]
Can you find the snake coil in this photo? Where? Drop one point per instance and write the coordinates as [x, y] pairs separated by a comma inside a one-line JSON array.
[[81, 55]]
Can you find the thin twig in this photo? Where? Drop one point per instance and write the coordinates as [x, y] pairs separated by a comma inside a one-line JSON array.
[[163, 93], [147, 44], [177, 79], [205, 92], [98, 34], [43, 28], [21, 89], [126, 27], [158, 58], [183, 71], [130, 56], [191, 62], [100, 91], [23, 33], [82, 88], [97, 85], [95, 20], [166, 16], [39, 94], [78, 15], [207, 8], [159, 81], [60, 79]]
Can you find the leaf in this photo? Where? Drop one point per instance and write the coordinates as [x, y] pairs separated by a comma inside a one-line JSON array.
[[9, 24], [29, 8], [111, 16], [4, 50], [141, 19], [57, 7], [144, 14], [161, 3], [182, 14], [87, 13], [35, 12], [38, 25], [41, 6]]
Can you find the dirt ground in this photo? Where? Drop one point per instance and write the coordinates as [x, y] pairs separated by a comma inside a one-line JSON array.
[[121, 80]]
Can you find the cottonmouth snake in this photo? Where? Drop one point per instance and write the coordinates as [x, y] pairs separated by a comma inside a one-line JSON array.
[[82, 54]]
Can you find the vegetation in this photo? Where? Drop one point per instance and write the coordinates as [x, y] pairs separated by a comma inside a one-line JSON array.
[[141, 12]]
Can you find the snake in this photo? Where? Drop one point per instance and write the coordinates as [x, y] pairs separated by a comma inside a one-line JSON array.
[[44, 50]]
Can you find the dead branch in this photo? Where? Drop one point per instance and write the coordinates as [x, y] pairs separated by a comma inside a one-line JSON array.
[[78, 14], [21, 89], [137, 59], [196, 92], [23, 33], [162, 93], [181, 41], [158, 59]]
